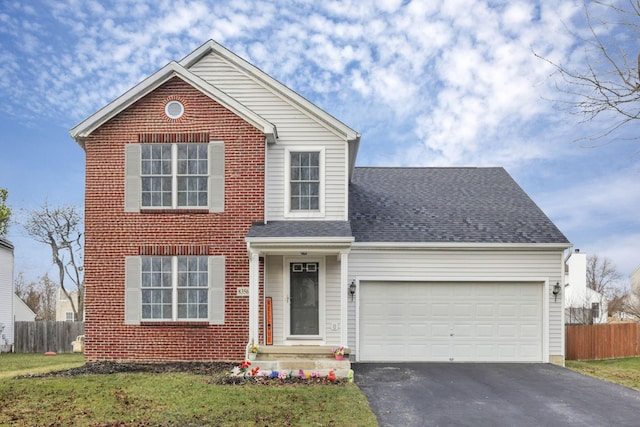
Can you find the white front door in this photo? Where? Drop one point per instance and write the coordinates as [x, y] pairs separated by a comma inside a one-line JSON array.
[[304, 301]]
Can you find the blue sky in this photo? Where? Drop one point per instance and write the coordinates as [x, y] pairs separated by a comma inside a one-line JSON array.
[[426, 84]]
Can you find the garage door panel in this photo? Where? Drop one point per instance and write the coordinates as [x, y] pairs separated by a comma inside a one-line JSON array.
[[426, 321], [440, 310]]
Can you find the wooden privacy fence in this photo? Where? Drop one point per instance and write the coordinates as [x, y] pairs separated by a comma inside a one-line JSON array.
[[43, 336], [594, 342]]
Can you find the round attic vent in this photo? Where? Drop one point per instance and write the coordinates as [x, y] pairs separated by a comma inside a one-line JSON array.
[[174, 109]]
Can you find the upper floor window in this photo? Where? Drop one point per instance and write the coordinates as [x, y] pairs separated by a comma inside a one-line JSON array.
[[304, 188], [174, 176], [305, 181]]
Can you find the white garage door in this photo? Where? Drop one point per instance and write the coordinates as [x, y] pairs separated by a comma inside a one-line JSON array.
[[458, 322]]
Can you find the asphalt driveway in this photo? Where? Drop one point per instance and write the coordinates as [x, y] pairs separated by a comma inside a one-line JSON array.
[[478, 394]]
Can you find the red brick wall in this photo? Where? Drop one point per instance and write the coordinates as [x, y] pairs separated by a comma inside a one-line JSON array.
[[112, 234]]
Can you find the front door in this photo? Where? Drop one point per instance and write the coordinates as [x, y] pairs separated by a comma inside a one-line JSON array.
[[304, 299]]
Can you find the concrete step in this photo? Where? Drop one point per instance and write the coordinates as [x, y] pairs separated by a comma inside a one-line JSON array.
[[318, 359], [273, 352]]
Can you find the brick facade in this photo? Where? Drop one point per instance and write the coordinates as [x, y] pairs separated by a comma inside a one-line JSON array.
[[112, 234]]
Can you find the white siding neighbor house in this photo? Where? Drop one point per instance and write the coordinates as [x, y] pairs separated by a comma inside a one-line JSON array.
[[21, 311], [64, 310], [396, 264], [583, 305], [6, 294]]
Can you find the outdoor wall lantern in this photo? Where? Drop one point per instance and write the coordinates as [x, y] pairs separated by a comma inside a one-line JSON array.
[[556, 291], [352, 289]]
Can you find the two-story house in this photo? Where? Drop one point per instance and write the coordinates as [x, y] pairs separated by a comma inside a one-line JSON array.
[[224, 209]]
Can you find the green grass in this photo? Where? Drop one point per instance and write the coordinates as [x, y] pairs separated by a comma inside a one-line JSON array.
[[175, 399], [15, 364], [625, 372]]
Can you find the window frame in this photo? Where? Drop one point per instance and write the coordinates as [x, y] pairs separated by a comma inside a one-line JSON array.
[[174, 288], [215, 180], [316, 213], [216, 285], [174, 175]]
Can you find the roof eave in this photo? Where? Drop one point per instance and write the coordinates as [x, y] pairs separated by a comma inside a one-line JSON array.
[[82, 130], [460, 246]]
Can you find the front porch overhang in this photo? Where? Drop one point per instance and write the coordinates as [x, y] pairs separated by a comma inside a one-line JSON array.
[[296, 246]]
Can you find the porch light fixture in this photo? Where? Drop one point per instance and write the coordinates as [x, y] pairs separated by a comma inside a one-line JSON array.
[[556, 291], [352, 289]]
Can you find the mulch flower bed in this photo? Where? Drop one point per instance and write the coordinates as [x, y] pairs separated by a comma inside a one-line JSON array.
[[93, 368], [221, 373]]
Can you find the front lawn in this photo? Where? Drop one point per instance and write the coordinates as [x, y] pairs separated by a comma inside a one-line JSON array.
[[15, 364], [625, 372], [172, 399]]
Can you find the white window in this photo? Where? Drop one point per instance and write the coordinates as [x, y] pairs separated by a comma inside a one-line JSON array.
[[305, 181], [174, 288], [304, 187], [174, 176], [69, 317]]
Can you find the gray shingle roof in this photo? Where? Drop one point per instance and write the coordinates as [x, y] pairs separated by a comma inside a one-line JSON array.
[[5, 243], [471, 205], [301, 229]]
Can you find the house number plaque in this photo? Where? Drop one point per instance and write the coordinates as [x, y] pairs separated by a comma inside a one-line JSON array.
[[242, 291]]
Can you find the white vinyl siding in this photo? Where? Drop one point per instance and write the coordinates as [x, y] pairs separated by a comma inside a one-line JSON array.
[[274, 288], [333, 303], [461, 265], [295, 128], [134, 288], [6, 293]]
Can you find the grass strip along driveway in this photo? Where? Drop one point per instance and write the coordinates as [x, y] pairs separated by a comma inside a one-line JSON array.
[[625, 371], [166, 399]]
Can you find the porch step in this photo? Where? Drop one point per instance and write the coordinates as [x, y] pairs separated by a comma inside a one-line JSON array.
[[318, 359], [277, 352]]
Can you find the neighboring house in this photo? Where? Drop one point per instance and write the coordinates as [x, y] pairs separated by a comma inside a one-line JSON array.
[[64, 310], [6, 295], [632, 301], [635, 281], [22, 312], [582, 305], [217, 197]]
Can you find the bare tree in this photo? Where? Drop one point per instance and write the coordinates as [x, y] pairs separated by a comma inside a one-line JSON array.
[[632, 303], [608, 80], [39, 296], [62, 230], [601, 274], [617, 302]]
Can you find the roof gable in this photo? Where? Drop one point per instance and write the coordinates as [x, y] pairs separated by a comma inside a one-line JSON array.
[[445, 205], [273, 85], [148, 85]]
